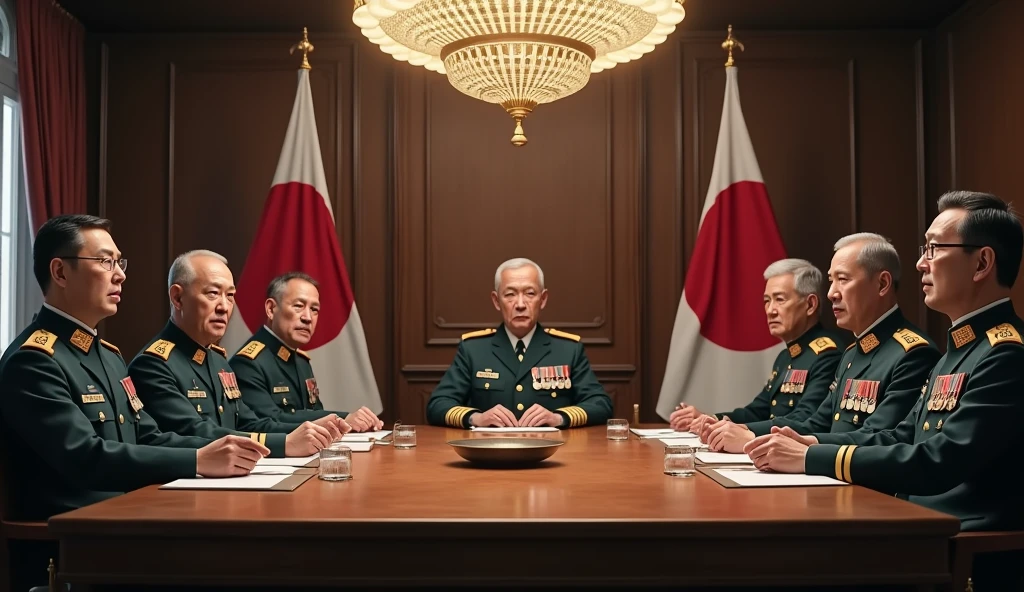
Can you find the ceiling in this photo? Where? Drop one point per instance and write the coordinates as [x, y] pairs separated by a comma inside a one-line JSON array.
[[151, 16]]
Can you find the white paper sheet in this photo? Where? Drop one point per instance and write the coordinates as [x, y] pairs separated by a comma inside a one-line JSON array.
[[751, 477], [272, 470], [725, 458], [516, 429], [658, 433], [358, 446], [254, 482], [291, 461], [367, 435]]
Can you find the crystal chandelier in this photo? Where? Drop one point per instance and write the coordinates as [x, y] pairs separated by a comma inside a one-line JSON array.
[[517, 53]]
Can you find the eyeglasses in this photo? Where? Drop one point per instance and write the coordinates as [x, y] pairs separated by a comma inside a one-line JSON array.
[[928, 251], [105, 262]]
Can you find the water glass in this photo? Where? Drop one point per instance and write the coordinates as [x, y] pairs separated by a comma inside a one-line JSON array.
[[618, 429], [335, 463], [404, 436], [679, 461]]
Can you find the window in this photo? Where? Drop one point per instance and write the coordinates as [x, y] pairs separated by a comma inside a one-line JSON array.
[[15, 249]]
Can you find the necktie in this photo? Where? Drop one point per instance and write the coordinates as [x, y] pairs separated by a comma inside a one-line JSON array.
[[520, 350]]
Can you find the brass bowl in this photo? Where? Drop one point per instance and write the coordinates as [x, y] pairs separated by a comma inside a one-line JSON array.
[[505, 452]]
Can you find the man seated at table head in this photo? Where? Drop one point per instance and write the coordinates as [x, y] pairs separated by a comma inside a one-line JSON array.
[[184, 378], [74, 430], [879, 377], [957, 450], [276, 377], [801, 373], [519, 374]]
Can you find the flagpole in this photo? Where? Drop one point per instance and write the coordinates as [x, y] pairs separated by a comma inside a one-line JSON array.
[[306, 47], [730, 44]]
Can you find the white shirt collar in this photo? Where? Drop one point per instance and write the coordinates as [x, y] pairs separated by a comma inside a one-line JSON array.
[[980, 310], [526, 339], [87, 328], [879, 320], [283, 342]]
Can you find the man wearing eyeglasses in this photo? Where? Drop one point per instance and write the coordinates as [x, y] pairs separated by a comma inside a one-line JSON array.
[[957, 451], [879, 377], [184, 377], [74, 431]]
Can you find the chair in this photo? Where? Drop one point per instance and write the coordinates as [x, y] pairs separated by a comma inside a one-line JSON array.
[[964, 546]]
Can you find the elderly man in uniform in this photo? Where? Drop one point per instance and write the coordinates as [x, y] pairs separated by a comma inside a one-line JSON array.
[[185, 379], [880, 376], [800, 376], [956, 450], [519, 374], [276, 377], [74, 430]]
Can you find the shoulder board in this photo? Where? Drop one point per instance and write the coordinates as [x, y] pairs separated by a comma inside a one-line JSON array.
[[480, 333], [562, 334], [823, 344], [302, 353], [110, 346], [161, 348], [41, 340], [220, 350], [1004, 333], [908, 339], [251, 350]]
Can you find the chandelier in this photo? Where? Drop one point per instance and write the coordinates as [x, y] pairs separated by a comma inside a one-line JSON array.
[[517, 53]]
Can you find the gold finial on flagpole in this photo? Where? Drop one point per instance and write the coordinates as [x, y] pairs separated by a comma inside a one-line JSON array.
[[305, 46], [730, 44]]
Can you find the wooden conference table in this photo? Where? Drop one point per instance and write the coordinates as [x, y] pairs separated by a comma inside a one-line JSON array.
[[598, 512]]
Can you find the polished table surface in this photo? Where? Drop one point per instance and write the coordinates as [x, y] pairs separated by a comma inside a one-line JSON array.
[[596, 512]]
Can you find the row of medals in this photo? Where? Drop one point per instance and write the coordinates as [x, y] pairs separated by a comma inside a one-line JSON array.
[[857, 402], [946, 392], [551, 377]]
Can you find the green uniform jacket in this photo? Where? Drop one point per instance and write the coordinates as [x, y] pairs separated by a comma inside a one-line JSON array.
[[817, 351], [181, 384], [887, 367], [961, 459], [486, 373], [70, 435], [275, 380]]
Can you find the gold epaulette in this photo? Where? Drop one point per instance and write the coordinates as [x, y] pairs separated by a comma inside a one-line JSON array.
[[110, 346], [480, 333], [303, 354], [251, 350], [161, 348], [1004, 333], [562, 334], [823, 344], [220, 350], [908, 339], [41, 340]]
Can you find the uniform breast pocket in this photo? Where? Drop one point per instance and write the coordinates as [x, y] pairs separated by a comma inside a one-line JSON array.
[[285, 400], [485, 385], [101, 415]]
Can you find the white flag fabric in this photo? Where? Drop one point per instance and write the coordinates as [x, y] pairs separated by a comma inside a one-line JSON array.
[[296, 233], [721, 351]]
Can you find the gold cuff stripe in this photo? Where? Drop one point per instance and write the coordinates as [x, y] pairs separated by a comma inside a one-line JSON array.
[[455, 416], [846, 464], [254, 436], [577, 415], [570, 412], [839, 461], [263, 439]]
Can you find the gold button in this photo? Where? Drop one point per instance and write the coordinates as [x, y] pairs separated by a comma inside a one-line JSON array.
[[772, 416], [120, 418], [293, 410], [199, 408], [553, 395], [220, 408], [284, 401], [487, 385], [519, 388], [837, 417], [848, 365], [102, 417], [519, 406], [773, 402]]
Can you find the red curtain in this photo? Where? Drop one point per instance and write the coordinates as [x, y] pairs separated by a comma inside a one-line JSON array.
[[51, 81]]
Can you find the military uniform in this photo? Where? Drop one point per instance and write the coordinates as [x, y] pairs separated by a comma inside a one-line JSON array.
[[877, 382], [74, 431], [277, 381], [799, 379], [190, 389], [554, 372]]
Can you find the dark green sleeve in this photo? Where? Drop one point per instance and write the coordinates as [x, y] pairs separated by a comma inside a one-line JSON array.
[[165, 402], [37, 393], [904, 388], [447, 404], [255, 387], [755, 410], [820, 376], [973, 437], [589, 395]]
